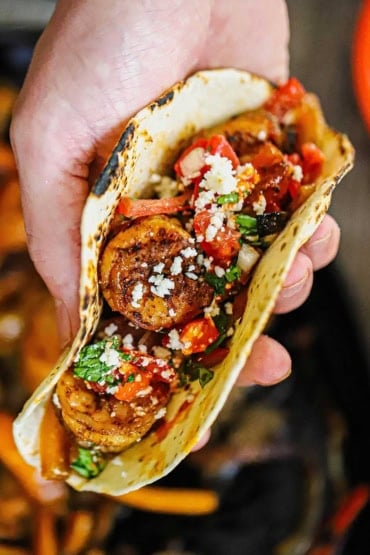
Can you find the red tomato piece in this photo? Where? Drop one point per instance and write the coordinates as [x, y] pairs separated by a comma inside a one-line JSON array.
[[198, 335], [128, 390], [191, 163], [147, 207], [313, 160], [224, 247], [285, 97]]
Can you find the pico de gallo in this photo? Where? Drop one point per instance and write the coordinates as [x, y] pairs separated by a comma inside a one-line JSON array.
[[174, 269]]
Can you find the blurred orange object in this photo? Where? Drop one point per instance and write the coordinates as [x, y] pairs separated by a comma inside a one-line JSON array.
[[42, 491], [361, 61]]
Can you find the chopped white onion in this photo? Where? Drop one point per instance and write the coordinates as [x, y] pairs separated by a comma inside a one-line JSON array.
[[247, 257]]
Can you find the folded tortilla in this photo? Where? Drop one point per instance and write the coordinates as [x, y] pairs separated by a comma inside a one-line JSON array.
[[149, 145]]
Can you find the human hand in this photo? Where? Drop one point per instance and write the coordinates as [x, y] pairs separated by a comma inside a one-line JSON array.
[[96, 64]]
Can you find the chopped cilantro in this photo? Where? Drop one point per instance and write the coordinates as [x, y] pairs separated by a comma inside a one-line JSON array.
[[130, 378], [220, 339], [233, 273], [89, 463], [228, 199], [192, 371], [218, 283], [205, 376], [89, 367], [222, 321]]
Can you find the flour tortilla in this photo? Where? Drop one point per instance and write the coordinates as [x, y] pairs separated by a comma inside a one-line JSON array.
[[149, 144]]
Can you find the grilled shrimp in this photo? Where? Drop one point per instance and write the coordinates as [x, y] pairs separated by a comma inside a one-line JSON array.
[[102, 419], [248, 130], [149, 273]]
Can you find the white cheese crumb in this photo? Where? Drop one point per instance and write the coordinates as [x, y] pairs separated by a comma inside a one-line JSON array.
[[262, 135], [189, 252], [137, 295], [144, 392], [176, 267], [158, 267], [174, 342], [161, 413], [161, 285], [172, 312], [212, 310], [215, 225], [297, 173], [220, 177], [191, 275], [110, 357], [111, 329], [143, 348], [127, 341], [204, 199], [144, 264], [260, 206]]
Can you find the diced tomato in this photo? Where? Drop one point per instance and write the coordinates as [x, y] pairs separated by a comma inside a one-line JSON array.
[[213, 358], [128, 390], [198, 335], [285, 97], [224, 247], [313, 160], [147, 207], [294, 187], [191, 163]]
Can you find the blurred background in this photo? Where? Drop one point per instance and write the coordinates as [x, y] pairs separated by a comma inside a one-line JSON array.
[[287, 469]]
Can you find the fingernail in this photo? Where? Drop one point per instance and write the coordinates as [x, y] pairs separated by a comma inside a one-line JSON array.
[[64, 323], [289, 291]]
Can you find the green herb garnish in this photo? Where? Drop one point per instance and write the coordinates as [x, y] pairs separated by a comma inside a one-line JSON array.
[[89, 463], [247, 224], [192, 371], [233, 273], [130, 378], [218, 283], [228, 199], [89, 367]]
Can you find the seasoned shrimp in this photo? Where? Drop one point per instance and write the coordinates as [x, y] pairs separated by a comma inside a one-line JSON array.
[[248, 130], [102, 419], [149, 273]]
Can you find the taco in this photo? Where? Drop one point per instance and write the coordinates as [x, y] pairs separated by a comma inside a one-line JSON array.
[[188, 235]]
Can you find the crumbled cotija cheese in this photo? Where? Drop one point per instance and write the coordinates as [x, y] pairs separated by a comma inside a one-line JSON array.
[[174, 342], [161, 413], [161, 285], [137, 295], [110, 329], [176, 267], [260, 206], [220, 177], [110, 356], [158, 267], [189, 252]]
